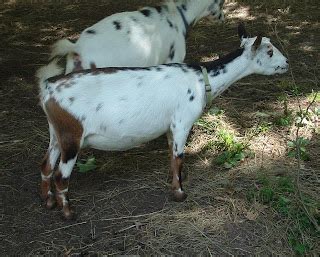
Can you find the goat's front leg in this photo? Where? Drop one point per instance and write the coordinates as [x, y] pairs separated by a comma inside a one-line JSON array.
[[176, 167], [179, 136], [170, 145]]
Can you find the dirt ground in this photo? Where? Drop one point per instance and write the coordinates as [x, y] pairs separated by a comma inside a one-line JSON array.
[[123, 207]]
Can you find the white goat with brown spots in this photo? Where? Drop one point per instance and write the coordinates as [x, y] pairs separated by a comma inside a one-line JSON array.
[[150, 36], [119, 108]]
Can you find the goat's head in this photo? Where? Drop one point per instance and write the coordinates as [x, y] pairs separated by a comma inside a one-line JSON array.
[[266, 58]]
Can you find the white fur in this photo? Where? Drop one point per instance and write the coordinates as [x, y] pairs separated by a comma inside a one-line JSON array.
[[48, 71], [66, 168], [141, 41], [122, 108], [126, 108]]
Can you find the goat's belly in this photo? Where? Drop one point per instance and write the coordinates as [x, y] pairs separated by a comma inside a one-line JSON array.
[[109, 143]]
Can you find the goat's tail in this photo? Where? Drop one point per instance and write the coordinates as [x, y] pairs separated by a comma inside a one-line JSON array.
[[62, 47], [59, 51], [50, 70]]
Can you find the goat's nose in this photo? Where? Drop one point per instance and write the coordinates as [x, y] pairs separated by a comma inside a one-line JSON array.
[[287, 61]]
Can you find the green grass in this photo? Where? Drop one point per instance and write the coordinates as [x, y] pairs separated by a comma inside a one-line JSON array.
[[87, 166], [314, 96], [233, 151], [297, 148], [280, 193]]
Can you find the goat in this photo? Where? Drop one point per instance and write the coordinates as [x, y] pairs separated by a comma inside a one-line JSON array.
[[150, 36], [115, 109]]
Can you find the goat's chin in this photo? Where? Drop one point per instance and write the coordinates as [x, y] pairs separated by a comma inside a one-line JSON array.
[[274, 71], [282, 70]]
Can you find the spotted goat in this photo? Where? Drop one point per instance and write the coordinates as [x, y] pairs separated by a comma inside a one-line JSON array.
[[115, 109], [150, 36]]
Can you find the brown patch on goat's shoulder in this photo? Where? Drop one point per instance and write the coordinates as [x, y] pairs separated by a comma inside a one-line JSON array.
[[68, 129]]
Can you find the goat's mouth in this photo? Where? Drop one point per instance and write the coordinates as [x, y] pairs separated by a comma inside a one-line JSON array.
[[281, 69]]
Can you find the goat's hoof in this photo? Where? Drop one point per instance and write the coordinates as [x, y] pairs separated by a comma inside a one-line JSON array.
[[68, 213], [179, 195], [50, 202]]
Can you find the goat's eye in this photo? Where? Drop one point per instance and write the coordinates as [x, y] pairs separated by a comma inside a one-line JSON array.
[[270, 52]]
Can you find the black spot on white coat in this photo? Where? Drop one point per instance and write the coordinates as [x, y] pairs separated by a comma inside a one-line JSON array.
[[99, 106], [184, 69], [71, 99], [146, 12], [91, 31], [159, 9], [103, 127], [172, 52], [123, 98], [180, 155], [117, 25]]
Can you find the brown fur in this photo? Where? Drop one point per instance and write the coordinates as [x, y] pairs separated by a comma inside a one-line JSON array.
[[93, 66], [176, 172], [68, 131], [46, 171], [67, 128], [45, 186], [62, 184], [77, 62], [176, 166]]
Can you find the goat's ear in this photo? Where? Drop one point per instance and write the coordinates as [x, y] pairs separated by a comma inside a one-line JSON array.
[[242, 31], [257, 43]]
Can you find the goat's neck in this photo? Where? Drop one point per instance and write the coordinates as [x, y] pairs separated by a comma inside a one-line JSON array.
[[192, 10], [227, 70]]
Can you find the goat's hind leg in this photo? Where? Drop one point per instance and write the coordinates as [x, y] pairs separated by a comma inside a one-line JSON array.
[[61, 179], [70, 147], [47, 168]]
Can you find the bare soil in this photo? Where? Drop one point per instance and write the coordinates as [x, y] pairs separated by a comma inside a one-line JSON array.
[[123, 206]]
